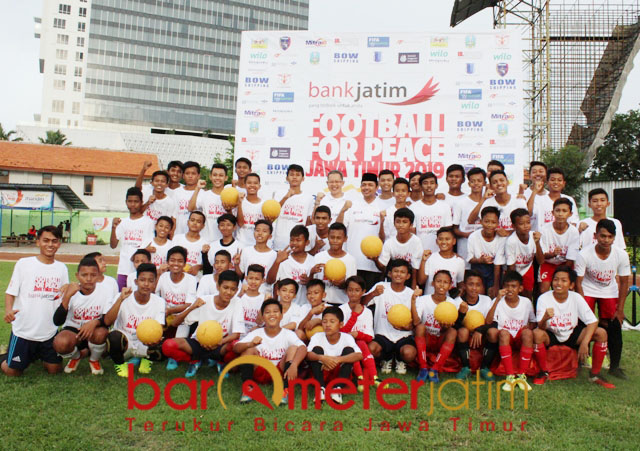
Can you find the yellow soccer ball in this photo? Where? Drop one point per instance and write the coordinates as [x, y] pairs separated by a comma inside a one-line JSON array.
[[209, 333], [315, 330], [149, 331], [446, 313], [473, 319], [187, 267], [335, 269], [399, 316], [271, 209], [371, 246], [229, 196]]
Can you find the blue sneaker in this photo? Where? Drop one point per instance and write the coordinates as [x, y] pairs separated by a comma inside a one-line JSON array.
[[211, 363], [220, 367], [463, 374], [171, 365], [192, 369], [433, 376], [134, 360], [487, 375], [422, 375]]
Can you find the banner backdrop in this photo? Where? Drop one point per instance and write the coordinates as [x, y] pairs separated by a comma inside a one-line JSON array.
[[33, 200], [362, 102]]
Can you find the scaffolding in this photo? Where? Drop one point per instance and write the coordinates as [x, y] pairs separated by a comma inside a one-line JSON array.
[[577, 55]]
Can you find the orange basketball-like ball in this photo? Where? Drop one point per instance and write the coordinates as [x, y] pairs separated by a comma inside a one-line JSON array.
[[271, 208], [315, 330], [399, 315], [149, 331], [209, 333], [473, 319], [229, 196], [446, 313], [335, 269], [371, 246]]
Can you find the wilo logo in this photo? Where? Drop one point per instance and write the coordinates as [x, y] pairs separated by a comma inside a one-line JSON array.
[[470, 106], [504, 56], [258, 56], [438, 53]]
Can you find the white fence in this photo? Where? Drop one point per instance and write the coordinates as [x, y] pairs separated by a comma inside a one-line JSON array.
[[608, 186]]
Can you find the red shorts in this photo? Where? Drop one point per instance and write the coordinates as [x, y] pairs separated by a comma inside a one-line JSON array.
[[434, 343], [262, 376], [528, 279], [516, 342], [546, 272], [606, 306]]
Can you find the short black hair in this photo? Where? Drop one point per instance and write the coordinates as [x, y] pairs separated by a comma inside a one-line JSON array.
[[414, 173], [488, 210], [51, 229], [298, 230], [401, 181], [397, 263], [556, 171], [295, 167], [177, 250], [561, 201], [252, 174], [316, 282], [338, 226], [146, 267], [476, 170], [496, 163], [498, 172], [404, 212], [356, 279], [227, 217], [165, 174], [288, 281], [167, 219], [518, 213], [269, 302], [229, 276], [469, 273], [144, 252], [88, 261], [442, 271], [446, 229], [191, 164], [198, 212], [333, 310], [134, 191], [256, 268], [93, 255], [512, 276], [573, 276], [175, 164], [537, 163], [322, 209], [219, 166], [596, 191], [243, 160], [386, 172], [606, 224], [428, 175], [455, 167], [224, 253], [265, 222]]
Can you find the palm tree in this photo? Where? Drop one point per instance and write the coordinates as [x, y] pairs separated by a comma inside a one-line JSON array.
[[6, 136], [58, 138]]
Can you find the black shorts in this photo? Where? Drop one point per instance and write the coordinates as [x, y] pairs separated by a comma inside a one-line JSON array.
[[199, 353], [23, 352], [486, 271], [82, 344], [572, 341], [370, 278], [391, 349]]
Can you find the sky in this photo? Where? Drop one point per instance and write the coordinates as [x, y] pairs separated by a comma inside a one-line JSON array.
[[21, 83]]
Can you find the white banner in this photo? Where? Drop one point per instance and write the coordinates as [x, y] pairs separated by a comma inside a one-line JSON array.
[[361, 102], [101, 224], [34, 200]]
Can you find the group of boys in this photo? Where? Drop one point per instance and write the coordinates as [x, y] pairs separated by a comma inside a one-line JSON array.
[[187, 257]]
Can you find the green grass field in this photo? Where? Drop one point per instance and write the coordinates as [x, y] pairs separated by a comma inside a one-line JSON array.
[[81, 411]]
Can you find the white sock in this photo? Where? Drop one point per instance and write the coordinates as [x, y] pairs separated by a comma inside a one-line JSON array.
[[96, 351], [75, 354]]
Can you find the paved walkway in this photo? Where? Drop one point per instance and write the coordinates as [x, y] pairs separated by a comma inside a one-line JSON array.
[[68, 252]]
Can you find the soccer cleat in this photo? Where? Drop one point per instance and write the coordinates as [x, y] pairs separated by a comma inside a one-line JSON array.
[[433, 376], [401, 367], [618, 372], [487, 375], [171, 365], [463, 373], [285, 397], [211, 363], [122, 369], [336, 397], [510, 382], [220, 367], [422, 375], [522, 382], [376, 381], [72, 365], [540, 378], [385, 366], [145, 366], [360, 384], [599, 380], [586, 363], [96, 368], [321, 394], [245, 399], [134, 360], [192, 369], [606, 363]]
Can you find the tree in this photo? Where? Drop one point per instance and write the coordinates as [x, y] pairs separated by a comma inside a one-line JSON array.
[[574, 164], [619, 157], [6, 136], [58, 138]]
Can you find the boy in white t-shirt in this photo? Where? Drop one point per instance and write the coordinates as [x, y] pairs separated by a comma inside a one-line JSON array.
[[249, 211], [139, 257], [598, 268], [209, 202], [336, 288], [30, 301], [311, 310], [227, 225], [564, 318], [292, 314], [332, 353], [160, 244], [129, 310], [430, 213], [463, 206], [80, 314], [446, 258], [400, 194], [541, 205], [485, 250], [243, 169], [416, 189], [280, 346], [183, 194], [386, 177], [520, 249], [296, 207], [174, 169], [250, 301], [599, 202], [209, 282], [193, 242], [455, 176], [319, 230], [160, 203], [133, 231], [260, 253], [108, 282]]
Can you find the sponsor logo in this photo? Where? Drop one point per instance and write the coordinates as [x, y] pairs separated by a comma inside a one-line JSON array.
[[502, 84], [507, 143], [345, 41], [256, 82], [502, 40], [345, 57], [258, 57], [253, 154], [254, 127], [378, 41], [504, 56], [408, 58], [506, 116], [504, 158], [259, 43], [377, 56], [470, 41], [470, 68], [316, 42], [280, 97], [377, 91], [470, 55], [439, 41], [255, 113], [502, 69], [468, 167], [314, 57], [277, 169], [503, 129], [285, 42], [438, 53], [280, 153], [284, 80], [469, 126], [470, 94], [466, 106], [471, 156]]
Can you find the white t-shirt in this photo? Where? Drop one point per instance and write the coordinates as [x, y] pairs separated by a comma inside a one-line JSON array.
[[483, 305], [411, 251], [333, 350], [383, 304], [505, 210], [313, 237], [295, 314], [162, 207], [514, 319], [131, 280], [194, 248], [388, 224], [182, 197], [436, 262], [36, 287], [251, 213], [210, 204], [386, 203], [430, 218], [600, 275], [364, 323], [111, 285], [83, 309], [567, 241], [132, 233], [132, 313], [452, 201], [543, 211], [294, 211], [291, 269], [587, 237], [362, 220], [335, 295], [207, 285], [233, 248], [426, 311], [248, 313], [335, 204], [273, 348], [565, 314], [250, 256], [159, 257], [461, 211], [520, 254], [175, 294], [226, 317], [478, 247]]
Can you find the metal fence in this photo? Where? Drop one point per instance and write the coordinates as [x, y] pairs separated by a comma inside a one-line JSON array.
[[608, 186]]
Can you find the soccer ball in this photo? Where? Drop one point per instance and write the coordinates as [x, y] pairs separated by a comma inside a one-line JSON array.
[[446, 313], [271, 208], [187, 267], [315, 330], [399, 315], [209, 333], [473, 319], [371, 246], [229, 196], [149, 331], [335, 269]]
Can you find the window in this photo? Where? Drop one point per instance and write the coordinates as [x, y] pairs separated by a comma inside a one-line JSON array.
[[59, 23], [57, 106], [61, 54], [81, 26], [46, 178], [60, 69], [64, 9], [75, 108], [54, 121], [77, 86], [82, 12], [78, 72], [63, 39], [4, 176], [80, 42], [79, 56], [58, 84], [88, 185]]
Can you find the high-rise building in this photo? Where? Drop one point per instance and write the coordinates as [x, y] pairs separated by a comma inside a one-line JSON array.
[[142, 64]]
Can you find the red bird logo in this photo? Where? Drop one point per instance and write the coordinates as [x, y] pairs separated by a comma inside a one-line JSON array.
[[428, 91]]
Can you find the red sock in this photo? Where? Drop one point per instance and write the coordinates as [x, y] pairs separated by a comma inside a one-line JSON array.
[[443, 355], [599, 351], [421, 345], [170, 349], [357, 369], [540, 353], [525, 359], [507, 361], [368, 362]]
